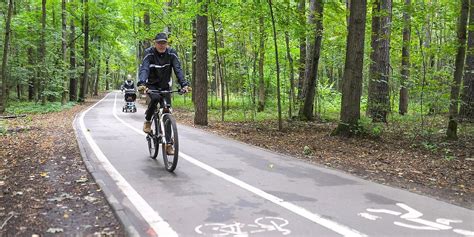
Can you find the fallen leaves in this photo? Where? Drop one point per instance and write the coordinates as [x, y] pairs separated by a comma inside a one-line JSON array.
[[55, 230], [43, 179]]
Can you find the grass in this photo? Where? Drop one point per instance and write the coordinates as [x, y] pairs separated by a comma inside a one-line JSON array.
[[3, 127], [36, 108]]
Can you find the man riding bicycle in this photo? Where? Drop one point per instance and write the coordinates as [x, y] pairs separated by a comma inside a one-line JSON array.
[[155, 74]]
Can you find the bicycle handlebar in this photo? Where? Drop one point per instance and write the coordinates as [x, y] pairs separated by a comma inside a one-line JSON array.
[[164, 92]]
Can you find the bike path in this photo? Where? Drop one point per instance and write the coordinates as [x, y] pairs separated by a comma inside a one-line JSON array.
[[229, 188]]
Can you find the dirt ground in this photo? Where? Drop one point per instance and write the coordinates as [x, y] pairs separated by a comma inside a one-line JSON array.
[[46, 189]]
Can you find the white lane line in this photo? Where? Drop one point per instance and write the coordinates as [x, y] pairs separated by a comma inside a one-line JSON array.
[[334, 226], [125, 123], [161, 227]]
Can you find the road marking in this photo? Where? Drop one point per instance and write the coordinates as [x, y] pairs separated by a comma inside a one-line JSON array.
[[413, 215], [161, 227], [262, 224], [334, 226]]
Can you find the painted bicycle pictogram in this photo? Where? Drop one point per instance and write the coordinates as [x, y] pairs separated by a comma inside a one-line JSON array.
[[411, 219], [237, 229]]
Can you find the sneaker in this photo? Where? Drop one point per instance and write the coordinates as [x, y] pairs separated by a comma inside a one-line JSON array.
[[147, 127], [169, 149]]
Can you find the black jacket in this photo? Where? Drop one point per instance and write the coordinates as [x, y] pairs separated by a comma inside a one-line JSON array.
[[127, 85], [156, 68]]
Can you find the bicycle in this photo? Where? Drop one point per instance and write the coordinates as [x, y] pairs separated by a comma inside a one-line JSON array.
[[162, 119]]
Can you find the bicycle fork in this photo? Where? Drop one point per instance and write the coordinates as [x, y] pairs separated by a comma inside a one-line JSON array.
[[162, 128]]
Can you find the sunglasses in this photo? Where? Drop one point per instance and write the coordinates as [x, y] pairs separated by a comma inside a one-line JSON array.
[[161, 42]]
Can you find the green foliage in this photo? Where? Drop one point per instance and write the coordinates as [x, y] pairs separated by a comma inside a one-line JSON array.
[[430, 146], [34, 108], [3, 127], [117, 28], [448, 155], [367, 128], [307, 150]]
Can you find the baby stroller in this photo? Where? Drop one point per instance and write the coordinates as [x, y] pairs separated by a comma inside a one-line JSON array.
[[130, 97]]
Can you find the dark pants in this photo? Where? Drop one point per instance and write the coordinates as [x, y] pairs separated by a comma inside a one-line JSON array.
[[154, 100]]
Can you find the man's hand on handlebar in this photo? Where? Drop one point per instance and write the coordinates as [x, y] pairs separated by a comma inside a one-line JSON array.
[[142, 89], [186, 89]]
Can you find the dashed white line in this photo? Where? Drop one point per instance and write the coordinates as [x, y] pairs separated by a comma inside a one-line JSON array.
[[161, 227]]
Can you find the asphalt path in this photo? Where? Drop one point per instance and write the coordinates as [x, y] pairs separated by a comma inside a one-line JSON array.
[[222, 187]]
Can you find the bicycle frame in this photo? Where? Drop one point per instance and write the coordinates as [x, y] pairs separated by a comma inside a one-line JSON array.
[[165, 133], [159, 112]]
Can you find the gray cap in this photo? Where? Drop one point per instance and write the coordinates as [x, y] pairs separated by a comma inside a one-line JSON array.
[[161, 37]]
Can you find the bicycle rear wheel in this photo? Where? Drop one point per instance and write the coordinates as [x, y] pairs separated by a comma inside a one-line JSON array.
[[170, 161], [152, 139]]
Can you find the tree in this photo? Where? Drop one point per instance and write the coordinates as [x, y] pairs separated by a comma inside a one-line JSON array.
[[405, 72], [466, 111], [277, 65], [85, 77], [193, 58], [64, 50], [451, 133], [200, 99], [97, 75], [42, 52], [302, 39], [261, 61], [219, 68], [72, 62], [316, 22], [291, 99], [6, 44], [379, 97], [352, 82]]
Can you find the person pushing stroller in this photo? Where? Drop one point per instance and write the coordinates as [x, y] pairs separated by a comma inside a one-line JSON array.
[[130, 95]]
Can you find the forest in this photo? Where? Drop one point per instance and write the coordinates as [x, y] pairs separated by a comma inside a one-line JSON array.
[[361, 64]]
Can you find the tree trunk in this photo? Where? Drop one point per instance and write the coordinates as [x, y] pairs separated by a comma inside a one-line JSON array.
[[72, 63], [193, 60], [405, 72], [348, 7], [200, 100], [42, 52], [32, 79], [107, 71], [64, 51], [379, 94], [312, 75], [302, 22], [97, 79], [219, 69], [352, 82], [292, 76], [85, 79], [451, 133], [280, 126], [467, 106], [254, 80], [311, 23], [6, 45], [261, 77]]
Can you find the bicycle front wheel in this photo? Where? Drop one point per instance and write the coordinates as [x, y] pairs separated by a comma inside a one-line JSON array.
[[170, 144]]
